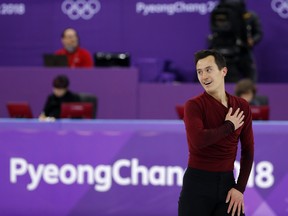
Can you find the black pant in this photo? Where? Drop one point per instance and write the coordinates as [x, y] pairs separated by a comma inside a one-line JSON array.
[[204, 193]]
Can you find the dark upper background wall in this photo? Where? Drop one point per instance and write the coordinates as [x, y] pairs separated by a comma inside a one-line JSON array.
[[31, 28]]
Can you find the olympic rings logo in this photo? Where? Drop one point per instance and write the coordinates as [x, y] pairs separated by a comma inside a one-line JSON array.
[[280, 7], [84, 9]]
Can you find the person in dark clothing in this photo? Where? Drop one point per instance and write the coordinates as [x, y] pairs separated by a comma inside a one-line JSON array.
[[247, 90], [60, 94], [234, 33], [214, 122]]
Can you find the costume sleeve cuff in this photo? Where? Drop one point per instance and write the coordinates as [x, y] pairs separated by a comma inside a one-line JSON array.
[[230, 125], [237, 187]]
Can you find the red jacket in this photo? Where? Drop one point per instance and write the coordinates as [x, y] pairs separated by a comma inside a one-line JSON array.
[[79, 58]]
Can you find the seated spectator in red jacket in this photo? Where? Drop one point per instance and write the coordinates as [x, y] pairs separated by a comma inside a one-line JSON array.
[[76, 55]]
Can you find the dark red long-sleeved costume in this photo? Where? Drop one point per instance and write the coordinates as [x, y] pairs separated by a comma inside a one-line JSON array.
[[213, 142]]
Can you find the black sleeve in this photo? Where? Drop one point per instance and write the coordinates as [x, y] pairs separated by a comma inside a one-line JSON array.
[[48, 105], [256, 28], [75, 97]]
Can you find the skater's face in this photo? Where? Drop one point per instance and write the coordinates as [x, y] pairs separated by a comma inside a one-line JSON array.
[[209, 75]]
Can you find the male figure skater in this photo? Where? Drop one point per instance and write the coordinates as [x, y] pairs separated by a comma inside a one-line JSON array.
[[215, 121]]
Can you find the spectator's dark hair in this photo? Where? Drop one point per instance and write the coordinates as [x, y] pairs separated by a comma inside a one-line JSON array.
[[61, 81], [64, 31], [244, 86], [219, 59]]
